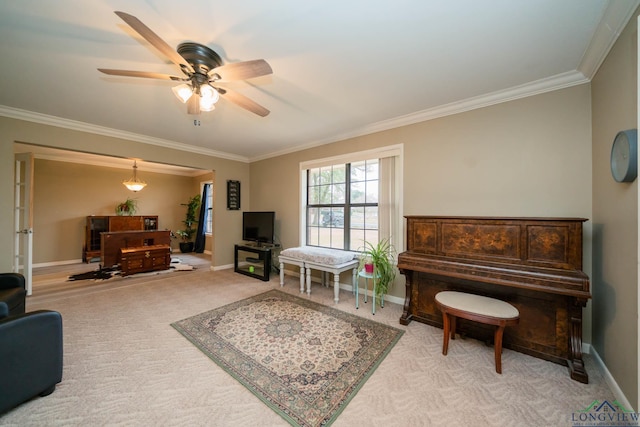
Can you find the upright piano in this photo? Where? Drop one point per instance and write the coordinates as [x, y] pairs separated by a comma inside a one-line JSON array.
[[533, 263]]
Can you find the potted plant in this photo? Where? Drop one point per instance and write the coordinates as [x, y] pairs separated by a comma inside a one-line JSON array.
[[189, 222], [128, 207], [378, 259]]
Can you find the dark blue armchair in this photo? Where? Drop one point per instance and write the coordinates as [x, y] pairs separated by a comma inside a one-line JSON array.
[[13, 292], [30, 355]]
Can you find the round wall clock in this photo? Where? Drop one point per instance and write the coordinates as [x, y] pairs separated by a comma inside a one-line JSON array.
[[624, 156]]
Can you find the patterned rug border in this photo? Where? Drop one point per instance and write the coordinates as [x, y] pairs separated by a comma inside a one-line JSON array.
[[304, 303]]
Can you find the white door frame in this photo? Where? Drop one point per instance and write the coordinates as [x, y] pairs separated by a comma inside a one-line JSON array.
[[23, 218], [637, 403]]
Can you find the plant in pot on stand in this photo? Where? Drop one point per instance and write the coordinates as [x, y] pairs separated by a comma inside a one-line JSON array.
[[378, 259], [189, 222]]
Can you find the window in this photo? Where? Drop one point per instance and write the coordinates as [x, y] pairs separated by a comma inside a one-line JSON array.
[[207, 205], [352, 199], [342, 205]]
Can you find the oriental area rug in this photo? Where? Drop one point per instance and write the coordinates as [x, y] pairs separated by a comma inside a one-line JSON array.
[[304, 360]]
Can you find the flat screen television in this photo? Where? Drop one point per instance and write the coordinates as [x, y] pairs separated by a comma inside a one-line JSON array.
[[258, 227]]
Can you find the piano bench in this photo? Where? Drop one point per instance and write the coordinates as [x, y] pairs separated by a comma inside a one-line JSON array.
[[476, 308]]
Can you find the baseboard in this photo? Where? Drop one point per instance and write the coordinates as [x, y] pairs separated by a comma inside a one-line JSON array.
[[611, 382], [56, 263], [221, 267]]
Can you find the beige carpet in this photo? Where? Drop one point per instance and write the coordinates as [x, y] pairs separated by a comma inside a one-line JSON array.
[[126, 366]]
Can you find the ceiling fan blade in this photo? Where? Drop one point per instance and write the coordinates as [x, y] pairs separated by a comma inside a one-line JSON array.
[[155, 40], [242, 70], [243, 102], [193, 104], [144, 74]]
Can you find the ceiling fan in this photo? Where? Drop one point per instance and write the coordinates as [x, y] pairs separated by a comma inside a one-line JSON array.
[[202, 69]]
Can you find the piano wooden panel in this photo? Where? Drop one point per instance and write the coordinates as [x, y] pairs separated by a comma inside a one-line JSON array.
[[533, 263]]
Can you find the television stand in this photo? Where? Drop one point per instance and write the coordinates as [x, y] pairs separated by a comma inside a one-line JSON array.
[[253, 261]]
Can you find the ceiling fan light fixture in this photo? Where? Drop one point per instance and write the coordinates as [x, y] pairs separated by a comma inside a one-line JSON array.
[[208, 98], [183, 92], [206, 106], [134, 184], [209, 94]]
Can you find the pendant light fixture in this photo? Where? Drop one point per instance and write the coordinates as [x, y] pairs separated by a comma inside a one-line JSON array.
[[134, 184]]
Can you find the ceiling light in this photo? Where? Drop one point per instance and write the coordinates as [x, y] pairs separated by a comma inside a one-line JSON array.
[[133, 183], [208, 97], [209, 93], [183, 92]]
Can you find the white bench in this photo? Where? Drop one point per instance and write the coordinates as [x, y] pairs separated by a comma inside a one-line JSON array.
[[293, 261], [477, 308], [322, 259]]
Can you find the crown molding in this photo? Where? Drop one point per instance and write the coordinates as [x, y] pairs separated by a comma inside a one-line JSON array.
[[614, 19], [30, 116], [117, 163], [560, 81]]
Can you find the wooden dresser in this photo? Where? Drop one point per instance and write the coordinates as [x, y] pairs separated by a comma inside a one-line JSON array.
[[113, 242], [533, 263], [144, 259], [96, 225]]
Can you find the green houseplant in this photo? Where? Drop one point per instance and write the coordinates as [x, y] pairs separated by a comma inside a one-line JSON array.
[[381, 256], [189, 222], [128, 207]]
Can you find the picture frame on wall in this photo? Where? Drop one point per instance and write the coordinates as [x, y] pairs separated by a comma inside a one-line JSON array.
[[233, 195]]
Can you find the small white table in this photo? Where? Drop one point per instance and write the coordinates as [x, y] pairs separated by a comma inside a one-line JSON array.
[[367, 276]]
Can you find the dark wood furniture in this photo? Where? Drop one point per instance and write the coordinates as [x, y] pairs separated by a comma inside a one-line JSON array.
[[144, 258], [95, 225], [534, 264], [112, 242]]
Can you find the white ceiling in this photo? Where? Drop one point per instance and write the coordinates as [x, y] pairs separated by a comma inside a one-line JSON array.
[[341, 68]]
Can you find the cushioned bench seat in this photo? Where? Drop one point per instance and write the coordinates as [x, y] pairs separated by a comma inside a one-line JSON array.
[[322, 259], [477, 308]]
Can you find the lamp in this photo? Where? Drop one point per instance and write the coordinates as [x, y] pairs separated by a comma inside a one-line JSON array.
[[208, 95], [183, 92], [133, 183]]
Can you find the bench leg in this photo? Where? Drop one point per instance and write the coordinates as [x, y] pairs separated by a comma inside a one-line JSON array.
[[281, 274], [308, 282], [336, 287], [498, 348], [302, 279], [452, 327], [445, 327]]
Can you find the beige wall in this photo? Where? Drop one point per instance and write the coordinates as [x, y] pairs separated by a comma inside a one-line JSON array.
[[615, 215], [65, 193], [227, 224], [529, 157]]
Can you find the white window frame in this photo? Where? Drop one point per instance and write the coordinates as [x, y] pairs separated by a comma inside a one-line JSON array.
[[396, 226]]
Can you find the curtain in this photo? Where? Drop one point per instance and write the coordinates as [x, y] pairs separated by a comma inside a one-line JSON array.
[[200, 236], [388, 209]]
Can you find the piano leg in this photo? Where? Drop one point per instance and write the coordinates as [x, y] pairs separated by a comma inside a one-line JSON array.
[[575, 363], [405, 319]]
